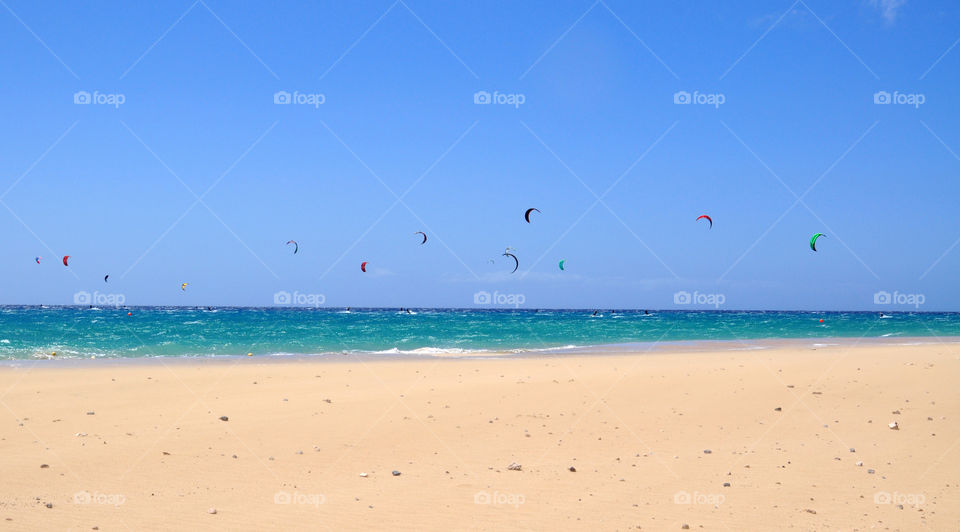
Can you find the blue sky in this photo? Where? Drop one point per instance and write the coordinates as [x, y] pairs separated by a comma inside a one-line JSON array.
[[198, 176]]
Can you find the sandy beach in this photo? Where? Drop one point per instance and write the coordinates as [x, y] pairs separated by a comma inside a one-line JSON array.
[[784, 438]]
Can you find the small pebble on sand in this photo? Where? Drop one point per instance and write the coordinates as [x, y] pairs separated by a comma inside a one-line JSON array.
[[707, 451], [212, 511], [44, 466], [395, 473], [224, 418], [514, 466], [572, 469]]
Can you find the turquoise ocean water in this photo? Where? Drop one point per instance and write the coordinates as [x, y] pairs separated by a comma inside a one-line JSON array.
[[73, 332]]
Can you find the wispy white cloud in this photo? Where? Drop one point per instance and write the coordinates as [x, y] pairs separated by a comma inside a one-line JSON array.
[[380, 272], [888, 8]]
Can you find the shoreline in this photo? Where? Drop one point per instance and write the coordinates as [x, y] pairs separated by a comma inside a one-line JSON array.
[[467, 309], [602, 350]]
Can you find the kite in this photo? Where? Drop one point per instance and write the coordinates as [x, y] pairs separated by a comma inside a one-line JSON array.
[[65, 258], [515, 260], [105, 277], [561, 264], [526, 215], [37, 259], [183, 287], [363, 266], [424, 237], [813, 241], [296, 247], [708, 219]]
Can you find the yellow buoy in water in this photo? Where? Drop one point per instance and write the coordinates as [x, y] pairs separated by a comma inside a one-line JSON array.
[[249, 354]]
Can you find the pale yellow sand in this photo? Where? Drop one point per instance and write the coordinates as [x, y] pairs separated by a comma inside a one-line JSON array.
[[155, 455]]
